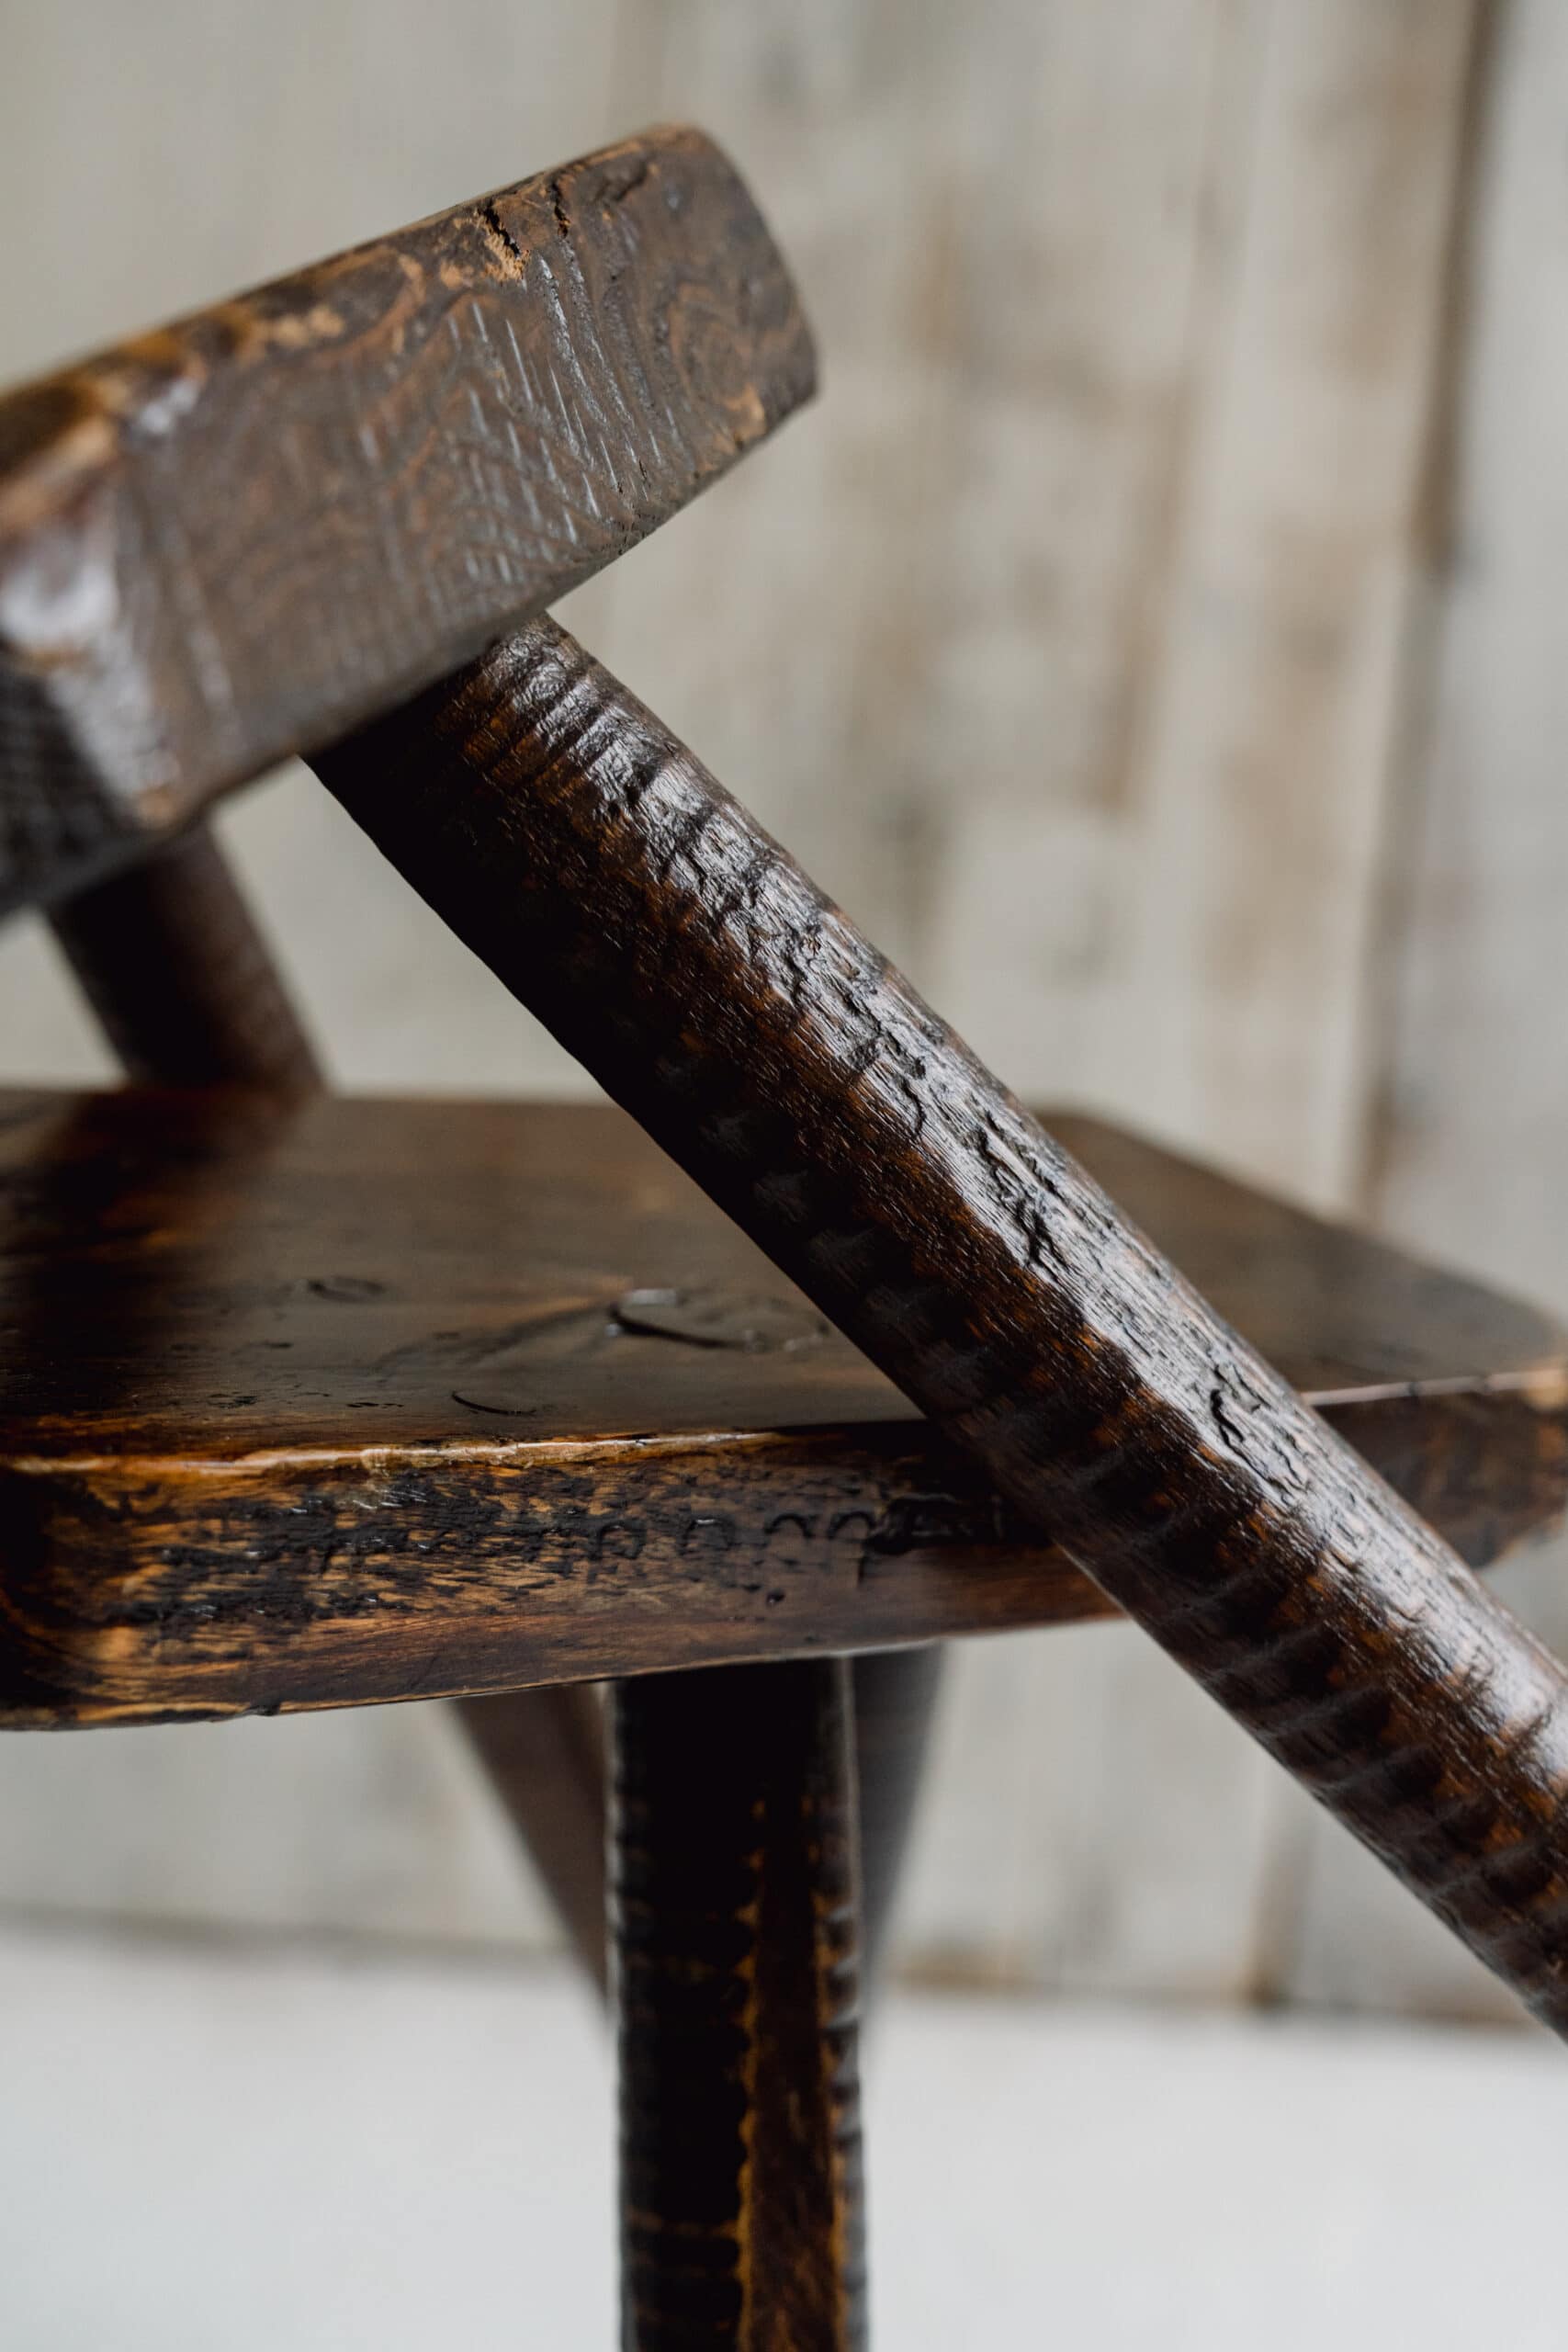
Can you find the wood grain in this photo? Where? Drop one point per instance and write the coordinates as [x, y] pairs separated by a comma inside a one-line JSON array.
[[372, 1400], [733, 1904], [1241, 914], [904, 621], [187, 994], [229, 539], [597, 869]]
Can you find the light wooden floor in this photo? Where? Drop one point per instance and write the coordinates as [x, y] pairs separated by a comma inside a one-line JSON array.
[[222, 2150]]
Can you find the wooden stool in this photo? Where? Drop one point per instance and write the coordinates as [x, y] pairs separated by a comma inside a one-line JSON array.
[[312, 1403]]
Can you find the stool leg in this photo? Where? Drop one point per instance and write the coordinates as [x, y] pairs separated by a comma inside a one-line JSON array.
[[895, 1693], [180, 978], [543, 1752], [733, 1927]]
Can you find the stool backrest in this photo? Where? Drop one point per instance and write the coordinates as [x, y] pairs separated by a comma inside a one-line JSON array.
[[237, 536]]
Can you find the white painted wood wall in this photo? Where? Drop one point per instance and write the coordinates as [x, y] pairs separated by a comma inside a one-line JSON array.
[[1153, 636]]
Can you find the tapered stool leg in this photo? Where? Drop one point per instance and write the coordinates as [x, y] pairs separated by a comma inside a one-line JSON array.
[[733, 1918], [543, 1751], [896, 1694]]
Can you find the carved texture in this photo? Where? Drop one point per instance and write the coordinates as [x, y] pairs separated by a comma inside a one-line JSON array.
[[234, 538], [733, 1918], [670, 945], [350, 1410]]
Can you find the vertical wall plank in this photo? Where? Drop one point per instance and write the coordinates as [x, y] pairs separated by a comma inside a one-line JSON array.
[[1468, 1140], [1251, 881]]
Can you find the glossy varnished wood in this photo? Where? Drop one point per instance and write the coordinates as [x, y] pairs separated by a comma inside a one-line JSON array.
[[311, 1401], [661, 935], [733, 1908], [235, 537]]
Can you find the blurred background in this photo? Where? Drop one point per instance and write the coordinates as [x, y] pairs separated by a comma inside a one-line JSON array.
[[1154, 636]]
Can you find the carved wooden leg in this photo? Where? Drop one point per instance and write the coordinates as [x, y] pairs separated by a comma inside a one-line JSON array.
[[894, 1697], [733, 1930], [180, 978], [543, 1751], [582, 852]]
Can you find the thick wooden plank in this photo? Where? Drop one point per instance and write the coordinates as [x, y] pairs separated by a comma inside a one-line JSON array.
[[227, 541], [734, 1902], [614, 888], [373, 1400]]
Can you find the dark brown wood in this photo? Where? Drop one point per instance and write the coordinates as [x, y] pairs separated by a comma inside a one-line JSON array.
[[734, 1918], [173, 965], [232, 538], [676, 950], [310, 1402], [544, 1750]]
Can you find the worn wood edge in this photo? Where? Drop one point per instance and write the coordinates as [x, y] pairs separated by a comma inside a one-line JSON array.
[[257, 1593], [77, 664], [116, 1570]]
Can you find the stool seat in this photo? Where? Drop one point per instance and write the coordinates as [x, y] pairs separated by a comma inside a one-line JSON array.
[[305, 1404]]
